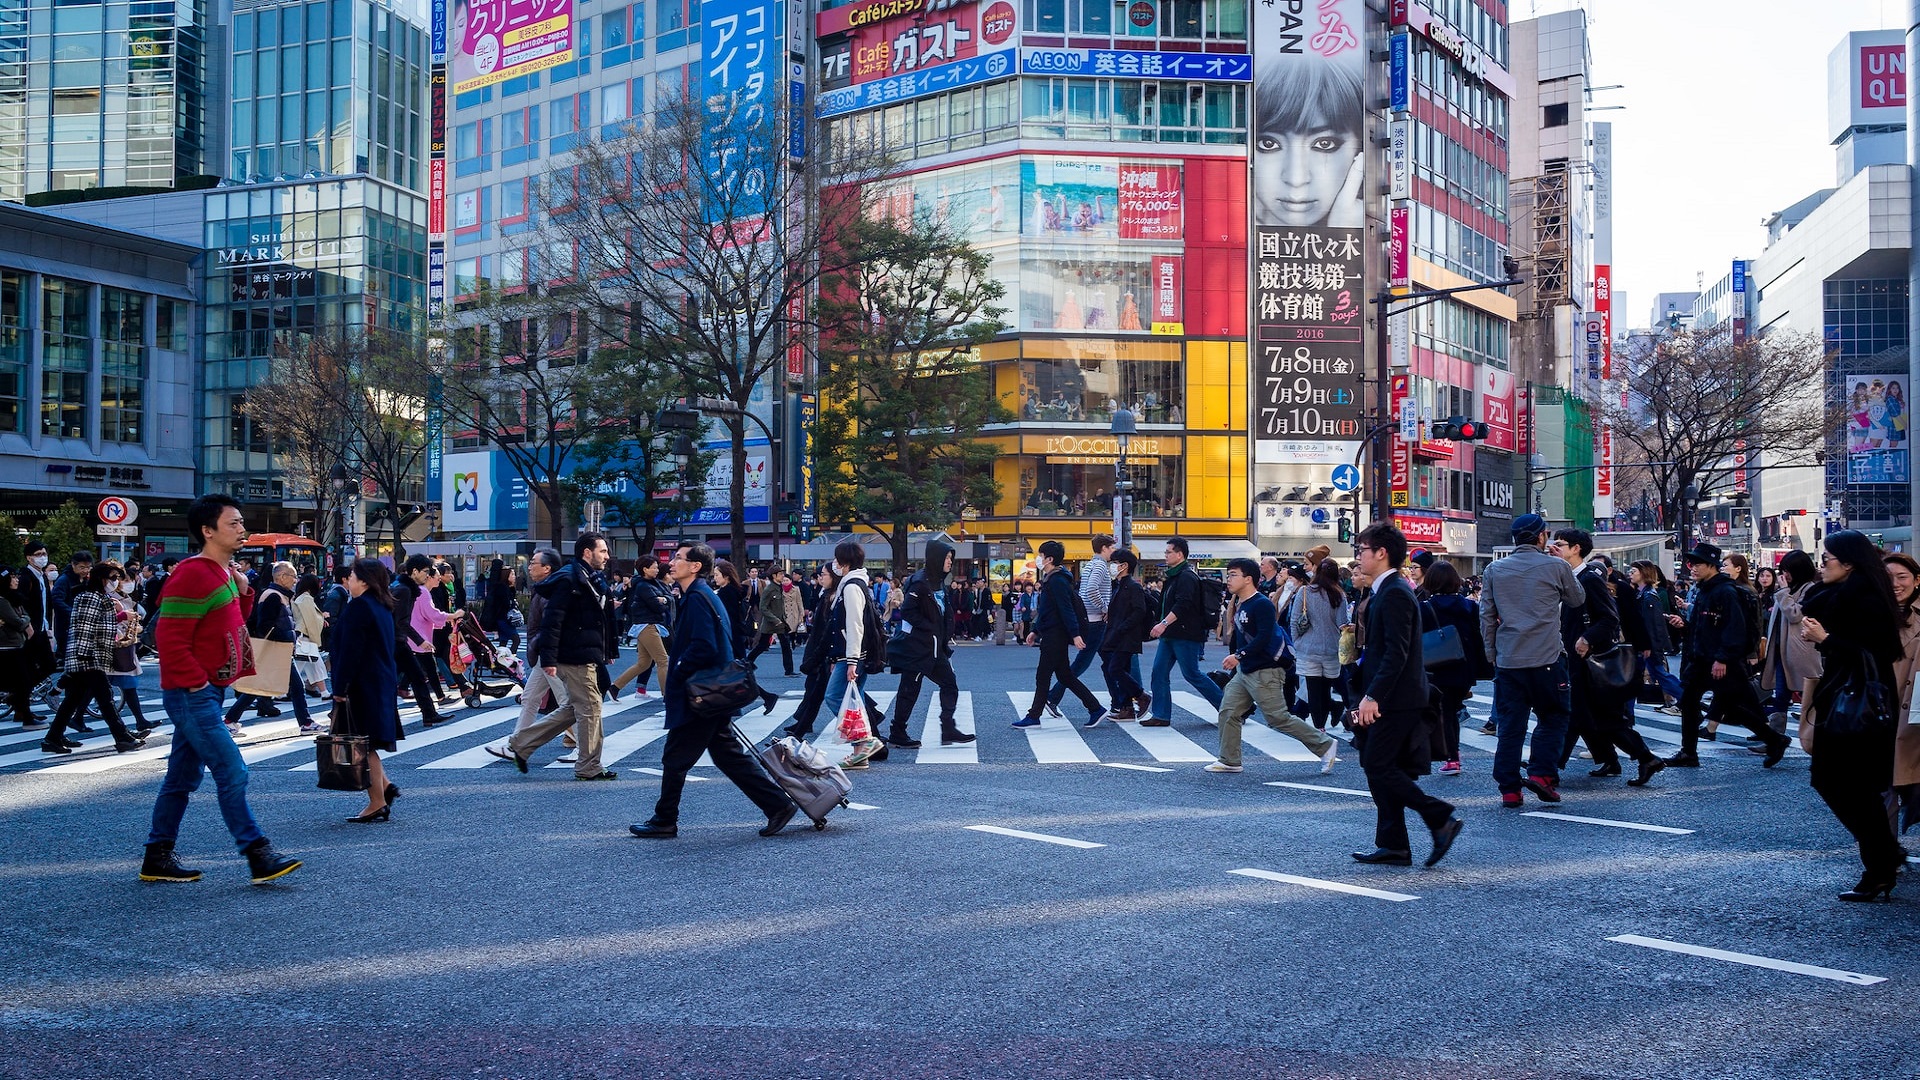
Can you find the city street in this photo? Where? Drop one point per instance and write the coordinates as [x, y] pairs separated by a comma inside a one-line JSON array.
[[1048, 903]]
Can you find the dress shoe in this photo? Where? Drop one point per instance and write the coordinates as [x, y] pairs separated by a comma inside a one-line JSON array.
[[957, 738], [1871, 887], [128, 745], [655, 830], [1648, 769], [55, 748], [392, 792], [1684, 761], [1155, 721], [1544, 788], [1443, 838], [72, 744], [385, 813], [1776, 750], [603, 774], [79, 727], [1611, 769], [1384, 857], [778, 819], [904, 741], [1709, 736]]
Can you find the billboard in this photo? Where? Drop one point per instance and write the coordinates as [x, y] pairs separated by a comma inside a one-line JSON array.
[[740, 71], [1601, 319], [894, 50], [1867, 81], [757, 505], [1306, 168], [490, 41], [481, 492], [883, 48], [1131, 63], [1496, 408], [1878, 425]]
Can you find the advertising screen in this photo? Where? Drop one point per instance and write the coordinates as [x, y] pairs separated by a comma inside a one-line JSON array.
[[1309, 218], [1878, 422], [490, 41]]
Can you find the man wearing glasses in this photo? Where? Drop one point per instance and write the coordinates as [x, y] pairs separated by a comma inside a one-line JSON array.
[[1521, 597]]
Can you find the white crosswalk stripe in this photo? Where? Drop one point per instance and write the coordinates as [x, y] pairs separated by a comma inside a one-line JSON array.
[[1254, 732], [931, 752], [1054, 741]]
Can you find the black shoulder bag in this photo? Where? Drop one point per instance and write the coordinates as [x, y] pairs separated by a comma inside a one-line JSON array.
[[727, 687]]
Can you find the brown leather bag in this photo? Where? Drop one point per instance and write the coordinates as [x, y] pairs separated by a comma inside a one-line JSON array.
[[1807, 687]]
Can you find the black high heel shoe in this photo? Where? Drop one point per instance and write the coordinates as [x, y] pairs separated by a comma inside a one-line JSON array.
[[385, 813], [1870, 888], [392, 793], [769, 700]]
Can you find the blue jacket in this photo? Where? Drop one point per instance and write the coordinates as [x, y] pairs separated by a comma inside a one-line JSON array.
[[1058, 613], [1257, 638], [364, 670], [699, 643]]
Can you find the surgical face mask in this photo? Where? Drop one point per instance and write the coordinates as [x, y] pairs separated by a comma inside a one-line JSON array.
[[38, 562], [127, 587]]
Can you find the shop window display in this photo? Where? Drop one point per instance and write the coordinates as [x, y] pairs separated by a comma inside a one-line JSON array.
[[1065, 486], [1087, 391]]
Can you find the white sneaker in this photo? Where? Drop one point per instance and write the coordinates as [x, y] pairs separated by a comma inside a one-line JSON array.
[[1327, 759], [1223, 767], [1054, 711]]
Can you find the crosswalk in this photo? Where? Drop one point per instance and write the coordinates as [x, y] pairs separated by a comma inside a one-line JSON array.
[[634, 731]]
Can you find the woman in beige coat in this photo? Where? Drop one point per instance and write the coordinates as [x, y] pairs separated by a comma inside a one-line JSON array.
[[1790, 660]]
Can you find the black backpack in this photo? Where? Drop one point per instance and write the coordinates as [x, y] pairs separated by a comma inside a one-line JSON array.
[[1213, 596], [1750, 607], [874, 636]]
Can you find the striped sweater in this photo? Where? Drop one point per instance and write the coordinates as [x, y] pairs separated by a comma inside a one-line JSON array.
[[201, 630]]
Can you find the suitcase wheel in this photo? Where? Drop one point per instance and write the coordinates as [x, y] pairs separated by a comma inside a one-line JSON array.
[[819, 825], [843, 802]]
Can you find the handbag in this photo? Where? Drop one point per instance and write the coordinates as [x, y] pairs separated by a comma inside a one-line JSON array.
[[1861, 707], [272, 663], [343, 759], [1349, 645], [726, 688], [1613, 670], [1442, 646]]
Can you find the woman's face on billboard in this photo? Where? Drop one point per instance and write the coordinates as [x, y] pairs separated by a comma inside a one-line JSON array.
[[1304, 178]]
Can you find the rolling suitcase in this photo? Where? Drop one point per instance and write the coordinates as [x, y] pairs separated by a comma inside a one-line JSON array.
[[804, 773]]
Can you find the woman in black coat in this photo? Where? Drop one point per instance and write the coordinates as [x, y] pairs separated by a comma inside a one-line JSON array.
[[1851, 616], [733, 598], [366, 679], [496, 611], [1455, 679]]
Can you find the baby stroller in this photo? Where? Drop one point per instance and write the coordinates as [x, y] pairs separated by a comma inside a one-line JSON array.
[[490, 673]]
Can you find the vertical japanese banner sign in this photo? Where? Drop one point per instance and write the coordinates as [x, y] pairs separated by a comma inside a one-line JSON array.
[[1309, 215], [439, 29], [437, 166], [436, 421], [809, 416], [1400, 467], [1603, 476], [490, 41], [1603, 312], [436, 283], [741, 65]]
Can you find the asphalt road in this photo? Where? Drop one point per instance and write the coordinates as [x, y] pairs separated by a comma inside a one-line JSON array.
[[507, 925]]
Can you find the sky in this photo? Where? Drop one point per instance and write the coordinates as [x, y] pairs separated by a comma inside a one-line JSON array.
[[1724, 123]]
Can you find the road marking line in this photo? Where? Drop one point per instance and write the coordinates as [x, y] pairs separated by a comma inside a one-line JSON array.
[[1167, 744], [1054, 742], [1254, 732], [931, 752], [1130, 766], [439, 733], [691, 777], [755, 724], [1320, 787], [1749, 959], [861, 806], [1042, 837], [1330, 886], [1667, 829]]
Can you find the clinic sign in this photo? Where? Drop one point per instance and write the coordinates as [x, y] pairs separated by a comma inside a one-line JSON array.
[[497, 40]]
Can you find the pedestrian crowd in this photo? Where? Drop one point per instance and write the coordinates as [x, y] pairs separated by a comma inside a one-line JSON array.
[[1387, 649]]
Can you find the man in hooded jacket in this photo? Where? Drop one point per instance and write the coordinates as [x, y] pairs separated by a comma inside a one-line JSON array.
[[926, 652]]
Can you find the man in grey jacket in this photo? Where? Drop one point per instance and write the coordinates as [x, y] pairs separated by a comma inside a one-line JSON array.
[[1520, 601]]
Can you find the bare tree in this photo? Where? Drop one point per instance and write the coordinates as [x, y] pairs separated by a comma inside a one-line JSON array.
[[386, 412], [905, 392], [298, 409], [638, 468], [703, 244], [1696, 400]]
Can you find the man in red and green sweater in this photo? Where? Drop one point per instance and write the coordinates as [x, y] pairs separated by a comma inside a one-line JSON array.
[[201, 632]]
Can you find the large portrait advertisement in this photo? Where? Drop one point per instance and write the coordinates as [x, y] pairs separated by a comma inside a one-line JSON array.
[[1306, 194], [495, 40], [1877, 422]]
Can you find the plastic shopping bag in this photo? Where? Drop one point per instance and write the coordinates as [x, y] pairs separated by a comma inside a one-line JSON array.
[[853, 716]]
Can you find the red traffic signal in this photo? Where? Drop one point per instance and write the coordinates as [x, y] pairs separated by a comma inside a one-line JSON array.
[[1459, 429]]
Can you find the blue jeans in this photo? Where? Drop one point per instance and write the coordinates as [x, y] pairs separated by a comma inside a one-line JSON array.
[[836, 692], [1096, 632], [201, 743], [1187, 655], [1516, 693], [1669, 682]]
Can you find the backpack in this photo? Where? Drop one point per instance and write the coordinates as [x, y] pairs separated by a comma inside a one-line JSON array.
[[1213, 595], [1750, 607], [873, 636]]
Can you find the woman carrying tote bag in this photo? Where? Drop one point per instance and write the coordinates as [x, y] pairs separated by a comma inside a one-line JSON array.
[[366, 679]]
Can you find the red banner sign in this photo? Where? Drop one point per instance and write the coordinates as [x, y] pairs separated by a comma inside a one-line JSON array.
[[1421, 529], [905, 44], [1496, 408], [1400, 461], [437, 198], [1152, 202], [1603, 307]]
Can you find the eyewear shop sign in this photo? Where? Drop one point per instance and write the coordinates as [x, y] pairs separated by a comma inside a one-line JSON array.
[[908, 56]]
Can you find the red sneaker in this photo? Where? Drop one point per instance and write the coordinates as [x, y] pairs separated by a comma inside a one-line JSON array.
[[1510, 800], [1544, 788]]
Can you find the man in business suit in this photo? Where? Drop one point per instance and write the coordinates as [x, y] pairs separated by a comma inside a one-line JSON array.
[[1390, 724], [699, 643]]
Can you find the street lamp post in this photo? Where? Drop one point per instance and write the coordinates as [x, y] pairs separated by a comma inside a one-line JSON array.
[[1123, 429], [338, 478]]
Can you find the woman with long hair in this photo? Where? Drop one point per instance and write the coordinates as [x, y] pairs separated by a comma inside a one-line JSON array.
[[311, 623], [1904, 571], [1454, 679], [124, 675], [1319, 611], [92, 633], [1791, 659], [496, 611], [367, 679], [1854, 620], [733, 599]]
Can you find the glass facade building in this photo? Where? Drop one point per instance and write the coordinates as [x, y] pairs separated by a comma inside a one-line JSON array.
[[107, 94]]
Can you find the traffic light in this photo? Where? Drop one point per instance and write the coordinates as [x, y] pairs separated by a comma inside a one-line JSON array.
[[1459, 429], [1343, 529]]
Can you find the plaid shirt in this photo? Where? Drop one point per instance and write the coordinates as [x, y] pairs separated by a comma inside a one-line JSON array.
[[91, 633]]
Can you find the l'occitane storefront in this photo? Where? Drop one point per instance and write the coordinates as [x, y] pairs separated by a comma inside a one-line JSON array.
[[1056, 470]]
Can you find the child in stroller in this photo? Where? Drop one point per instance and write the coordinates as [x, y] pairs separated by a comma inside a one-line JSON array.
[[489, 672]]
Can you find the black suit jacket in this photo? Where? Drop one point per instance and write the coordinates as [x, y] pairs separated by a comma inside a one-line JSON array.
[[1393, 668]]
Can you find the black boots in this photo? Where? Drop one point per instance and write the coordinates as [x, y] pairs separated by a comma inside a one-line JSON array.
[[160, 865], [266, 863]]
